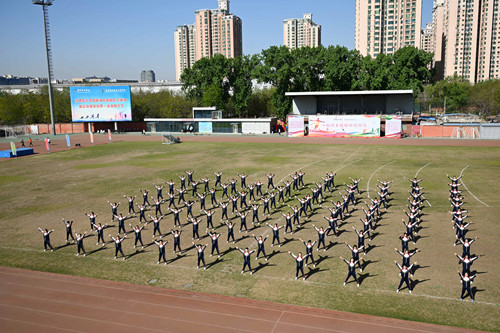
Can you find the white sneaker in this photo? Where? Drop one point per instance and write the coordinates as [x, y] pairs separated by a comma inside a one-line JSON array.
[[344, 283], [158, 263], [358, 284], [295, 278], [242, 272]]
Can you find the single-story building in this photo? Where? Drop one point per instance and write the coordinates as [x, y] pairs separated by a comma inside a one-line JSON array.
[[210, 125]]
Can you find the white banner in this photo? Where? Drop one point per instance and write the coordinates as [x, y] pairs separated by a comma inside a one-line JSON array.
[[344, 126], [295, 126], [393, 127]]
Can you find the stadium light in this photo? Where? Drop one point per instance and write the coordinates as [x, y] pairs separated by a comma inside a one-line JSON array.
[[48, 48]]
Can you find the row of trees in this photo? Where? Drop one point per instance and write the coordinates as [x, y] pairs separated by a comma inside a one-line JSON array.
[[454, 95], [219, 81]]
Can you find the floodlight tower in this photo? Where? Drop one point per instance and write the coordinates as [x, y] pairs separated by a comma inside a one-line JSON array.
[[48, 48]]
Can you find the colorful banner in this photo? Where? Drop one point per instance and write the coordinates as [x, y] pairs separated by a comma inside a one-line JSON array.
[[295, 126], [68, 142], [91, 137], [13, 148], [205, 127], [393, 127], [109, 134], [364, 126], [100, 103], [47, 144]]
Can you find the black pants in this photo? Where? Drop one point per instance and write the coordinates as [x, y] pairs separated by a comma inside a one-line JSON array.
[[300, 267], [230, 234], [201, 258], [47, 244], [177, 244], [69, 234], [405, 279], [138, 238], [353, 274], [142, 216], [246, 263], [161, 254], [121, 226], [215, 247], [261, 249], [80, 248], [131, 208], [100, 236], [119, 249]]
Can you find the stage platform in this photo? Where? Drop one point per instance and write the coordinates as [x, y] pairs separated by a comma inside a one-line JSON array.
[[20, 152]]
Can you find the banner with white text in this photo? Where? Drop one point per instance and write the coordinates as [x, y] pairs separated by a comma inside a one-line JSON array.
[[100, 103], [363, 126]]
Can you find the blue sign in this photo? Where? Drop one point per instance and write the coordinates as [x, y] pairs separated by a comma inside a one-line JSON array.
[[100, 103], [205, 126]]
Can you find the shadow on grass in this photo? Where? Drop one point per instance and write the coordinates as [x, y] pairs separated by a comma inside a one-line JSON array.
[[261, 266], [217, 261], [135, 253], [313, 271], [416, 282], [365, 276], [321, 258], [63, 246], [96, 250], [273, 254], [365, 263], [176, 258], [370, 247]]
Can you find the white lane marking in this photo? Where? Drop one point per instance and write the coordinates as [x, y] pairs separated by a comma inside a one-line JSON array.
[[461, 173]]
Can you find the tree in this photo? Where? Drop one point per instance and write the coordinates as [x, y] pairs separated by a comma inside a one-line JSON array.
[[213, 95], [341, 68], [240, 81], [485, 96], [410, 69]]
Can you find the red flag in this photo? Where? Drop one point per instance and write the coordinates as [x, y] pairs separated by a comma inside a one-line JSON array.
[[109, 134], [91, 137], [47, 144]]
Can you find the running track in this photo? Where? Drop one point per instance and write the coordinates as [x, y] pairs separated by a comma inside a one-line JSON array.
[[47, 302]]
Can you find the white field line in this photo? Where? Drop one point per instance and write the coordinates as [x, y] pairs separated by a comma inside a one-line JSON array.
[[461, 173], [416, 175], [374, 172]]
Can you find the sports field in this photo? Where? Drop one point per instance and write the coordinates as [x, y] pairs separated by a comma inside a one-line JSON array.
[[40, 190]]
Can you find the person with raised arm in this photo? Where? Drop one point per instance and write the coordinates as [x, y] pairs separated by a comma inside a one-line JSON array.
[[326, 183], [79, 243], [130, 200], [243, 179], [189, 174], [214, 237], [233, 182], [218, 176], [466, 282], [145, 198], [461, 230], [246, 259], [176, 213], [243, 221], [301, 178], [189, 208], [202, 201], [177, 240], [171, 200], [288, 222], [230, 231], [355, 254], [223, 206], [351, 264], [206, 182], [295, 181], [260, 246], [404, 272], [270, 183], [183, 181], [171, 185], [272, 199], [255, 213], [213, 199], [159, 191], [156, 225], [234, 201], [92, 217], [243, 199], [258, 187], [287, 189], [466, 263], [299, 260], [309, 251], [302, 207], [100, 233], [121, 222], [332, 175], [355, 183], [142, 213], [224, 191], [200, 249], [161, 251], [405, 238], [276, 233], [265, 202], [466, 245], [251, 192], [406, 255], [181, 192], [367, 227], [194, 188], [296, 213], [361, 239], [118, 245], [410, 229], [332, 225], [46, 239], [69, 232], [158, 204], [321, 236], [195, 222], [138, 237]]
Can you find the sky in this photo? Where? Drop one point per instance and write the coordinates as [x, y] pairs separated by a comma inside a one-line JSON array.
[[119, 39]]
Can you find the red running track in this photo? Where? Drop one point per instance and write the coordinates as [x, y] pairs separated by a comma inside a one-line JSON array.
[[47, 302]]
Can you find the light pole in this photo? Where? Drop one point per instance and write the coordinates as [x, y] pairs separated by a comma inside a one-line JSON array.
[[48, 47]]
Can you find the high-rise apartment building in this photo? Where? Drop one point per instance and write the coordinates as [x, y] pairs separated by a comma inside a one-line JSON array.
[[148, 76], [426, 38], [384, 26], [465, 35], [215, 31], [301, 32]]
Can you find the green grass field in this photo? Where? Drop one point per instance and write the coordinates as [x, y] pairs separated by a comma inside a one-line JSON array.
[[40, 190]]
